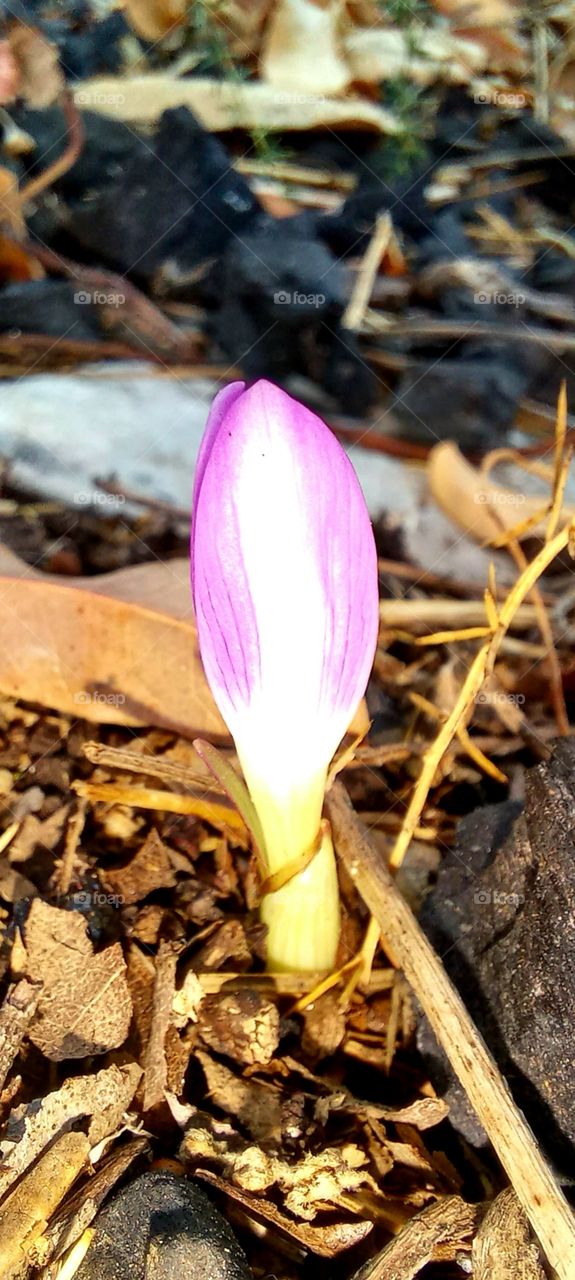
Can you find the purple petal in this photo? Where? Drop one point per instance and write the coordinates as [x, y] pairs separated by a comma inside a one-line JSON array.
[[285, 574], [220, 405]]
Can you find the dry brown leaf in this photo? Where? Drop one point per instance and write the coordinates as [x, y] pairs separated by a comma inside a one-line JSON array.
[[38, 834], [119, 649], [474, 502], [153, 19], [41, 80], [13, 885], [85, 1005], [324, 1026], [241, 22], [479, 13], [155, 1063], [18, 1009], [374, 56], [221, 105], [149, 869], [256, 1107], [15, 263], [99, 1098], [302, 52], [242, 1024], [11, 215], [493, 25]]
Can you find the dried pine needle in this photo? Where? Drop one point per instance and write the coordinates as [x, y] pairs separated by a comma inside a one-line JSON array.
[[218, 815], [481, 666]]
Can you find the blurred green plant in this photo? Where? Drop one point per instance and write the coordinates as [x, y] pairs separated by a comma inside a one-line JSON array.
[[405, 11], [406, 150]]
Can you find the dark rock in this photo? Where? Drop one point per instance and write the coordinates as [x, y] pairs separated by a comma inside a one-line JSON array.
[[51, 307], [502, 916], [165, 1227], [109, 146], [350, 228], [94, 49], [285, 273], [175, 206], [472, 401], [554, 270], [282, 295]]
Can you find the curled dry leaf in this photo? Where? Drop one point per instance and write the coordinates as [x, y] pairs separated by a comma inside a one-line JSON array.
[[375, 56], [256, 1107], [85, 1005], [153, 19], [41, 80], [494, 25], [302, 50], [221, 105], [475, 503], [155, 1060], [326, 1240]]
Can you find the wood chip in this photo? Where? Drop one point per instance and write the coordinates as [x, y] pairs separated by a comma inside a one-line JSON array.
[[450, 1222], [16, 1014], [100, 1099], [503, 1248], [24, 1214]]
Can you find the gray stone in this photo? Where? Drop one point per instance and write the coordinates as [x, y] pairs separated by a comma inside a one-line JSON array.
[[162, 1227], [502, 916]]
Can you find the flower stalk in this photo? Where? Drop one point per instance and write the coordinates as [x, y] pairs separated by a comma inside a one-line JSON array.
[[284, 579]]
